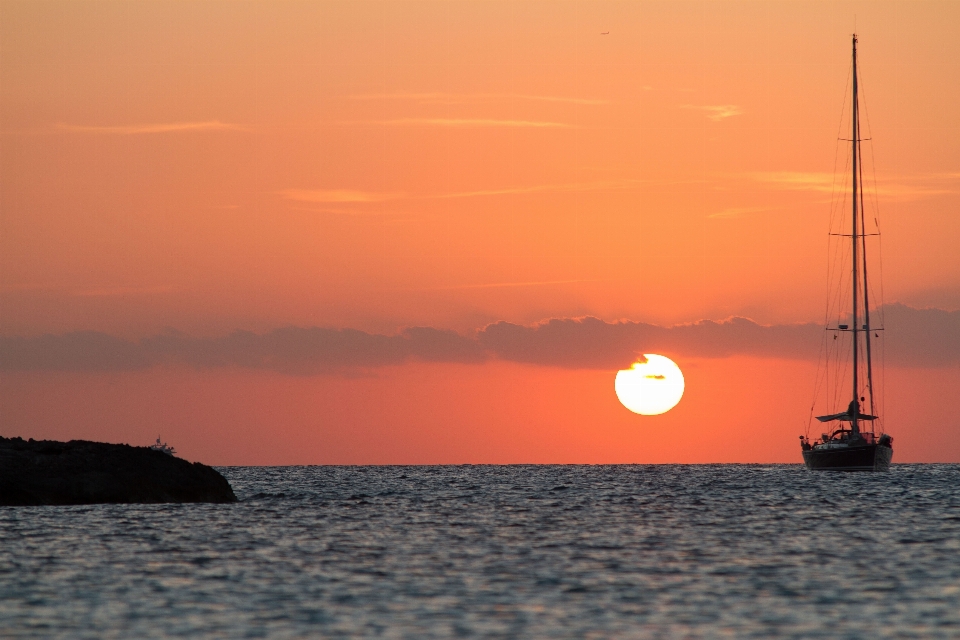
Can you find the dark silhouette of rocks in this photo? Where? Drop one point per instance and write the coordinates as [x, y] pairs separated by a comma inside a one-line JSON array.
[[46, 472]]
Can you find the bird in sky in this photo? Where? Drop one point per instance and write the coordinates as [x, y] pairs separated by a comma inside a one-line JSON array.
[[604, 33]]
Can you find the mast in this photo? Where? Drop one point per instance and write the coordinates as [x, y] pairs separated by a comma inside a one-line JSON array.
[[853, 418]]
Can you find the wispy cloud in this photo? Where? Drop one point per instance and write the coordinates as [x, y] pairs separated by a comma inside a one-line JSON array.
[[101, 292], [502, 192], [918, 186], [163, 127], [393, 216], [736, 212], [460, 98], [891, 187], [716, 112], [342, 196], [349, 196], [472, 122], [113, 292], [28, 287], [541, 188], [797, 180], [502, 285]]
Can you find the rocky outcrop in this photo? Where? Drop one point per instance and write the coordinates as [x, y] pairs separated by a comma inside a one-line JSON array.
[[46, 472]]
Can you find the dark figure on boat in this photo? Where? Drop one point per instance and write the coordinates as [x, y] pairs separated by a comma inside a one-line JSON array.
[[853, 409]]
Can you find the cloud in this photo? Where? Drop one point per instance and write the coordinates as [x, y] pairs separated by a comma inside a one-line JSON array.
[[78, 351], [914, 338], [716, 112], [891, 187], [291, 350], [27, 287], [337, 195], [594, 344], [165, 127], [541, 188], [736, 212], [501, 285], [350, 196], [473, 122], [101, 292], [460, 98], [798, 180], [113, 292], [921, 337]]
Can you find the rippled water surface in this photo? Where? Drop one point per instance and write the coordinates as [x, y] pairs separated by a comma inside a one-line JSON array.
[[488, 551]]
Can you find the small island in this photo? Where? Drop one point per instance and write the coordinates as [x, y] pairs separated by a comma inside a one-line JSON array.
[[47, 472]]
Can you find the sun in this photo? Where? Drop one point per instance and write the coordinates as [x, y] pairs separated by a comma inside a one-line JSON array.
[[652, 387]]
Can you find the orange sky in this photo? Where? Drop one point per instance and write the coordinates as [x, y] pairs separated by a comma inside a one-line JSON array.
[[210, 167]]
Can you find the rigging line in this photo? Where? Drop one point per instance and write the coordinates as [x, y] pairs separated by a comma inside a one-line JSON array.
[[839, 373], [843, 105], [876, 218], [823, 356], [839, 294], [840, 250], [883, 385], [836, 205], [836, 363], [842, 291], [839, 196], [842, 362], [873, 167], [836, 153], [831, 363], [825, 363], [883, 323], [816, 383], [866, 294], [822, 371], [883, 302], [840, 378], [855, 134], [839, 206]]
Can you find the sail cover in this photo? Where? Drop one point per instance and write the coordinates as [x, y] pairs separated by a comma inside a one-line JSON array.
[[846, 417]]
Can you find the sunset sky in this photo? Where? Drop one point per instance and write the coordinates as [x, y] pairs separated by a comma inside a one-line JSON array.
[[395, 232]]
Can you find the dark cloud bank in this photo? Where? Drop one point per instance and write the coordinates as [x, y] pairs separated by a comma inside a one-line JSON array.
[[914, 337]]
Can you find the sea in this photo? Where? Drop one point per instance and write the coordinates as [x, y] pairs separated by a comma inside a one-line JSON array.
[[539, 551]]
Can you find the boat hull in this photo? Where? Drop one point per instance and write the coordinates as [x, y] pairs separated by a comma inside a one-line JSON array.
[[869, 457]]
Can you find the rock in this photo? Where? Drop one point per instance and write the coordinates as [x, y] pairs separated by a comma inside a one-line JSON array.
[[46, 472]]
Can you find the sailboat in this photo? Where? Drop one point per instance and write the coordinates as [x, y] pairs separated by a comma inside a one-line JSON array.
[[854, 445]]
